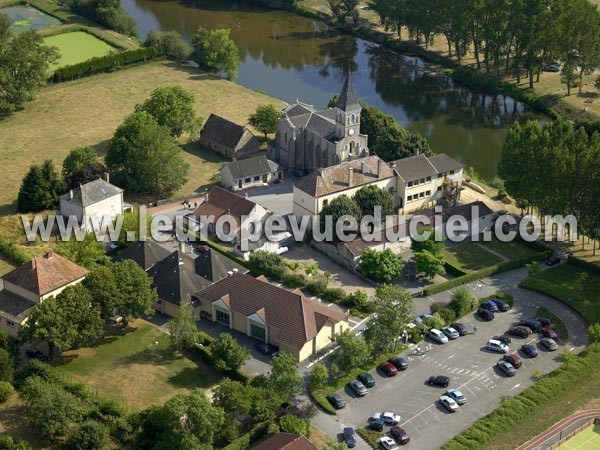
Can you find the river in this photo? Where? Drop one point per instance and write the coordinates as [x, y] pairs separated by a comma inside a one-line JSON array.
[[292, 57]]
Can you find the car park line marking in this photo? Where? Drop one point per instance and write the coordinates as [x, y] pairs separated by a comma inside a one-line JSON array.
[[515, 386]]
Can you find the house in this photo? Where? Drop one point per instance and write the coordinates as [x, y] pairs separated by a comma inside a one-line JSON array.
[[30, 284], [424, 181], [225, 213], [93, 201], [228, 138], [285, 441], [272, 314], [251, 172], [318, 189], [308, 139]]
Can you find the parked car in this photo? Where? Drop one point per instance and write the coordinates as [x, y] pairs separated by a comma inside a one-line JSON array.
[[514, 360], [549, 333], [496, 346], [485, 314], [448, 403], [336, 400], [450, 333], [399, 363], [387, 443], [456, 395], [389, 418], [504, 339], [549, 344], [506, 368], [437, 336], [519, 331], [546, 323], [349, 437], [367, 379], [551, 68], [389, 369], [376, 425], [358, 388], [501, 304], [461, 328], [533, 324], [439, 380], [552, 261], [399, 435], [490, 305], [266, 348], [529, 350], [422, 317]]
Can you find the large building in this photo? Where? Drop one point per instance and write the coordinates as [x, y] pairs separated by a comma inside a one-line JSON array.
[[308, 139]]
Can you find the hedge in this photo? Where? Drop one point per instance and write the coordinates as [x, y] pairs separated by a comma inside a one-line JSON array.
[[371, 437], [581, 264], [453, 270], [12, 253], [322, 401], [530, 403], [107, 63]]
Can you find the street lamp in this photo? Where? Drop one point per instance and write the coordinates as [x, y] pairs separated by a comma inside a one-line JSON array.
[[479, 286]]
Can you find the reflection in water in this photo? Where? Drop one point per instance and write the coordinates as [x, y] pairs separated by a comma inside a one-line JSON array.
[[291, 57]]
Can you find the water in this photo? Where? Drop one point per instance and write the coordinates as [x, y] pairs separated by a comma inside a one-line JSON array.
[[292, 57]]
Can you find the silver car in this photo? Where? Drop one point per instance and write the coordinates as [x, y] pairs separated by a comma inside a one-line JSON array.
[[549, 344], [450, 332]]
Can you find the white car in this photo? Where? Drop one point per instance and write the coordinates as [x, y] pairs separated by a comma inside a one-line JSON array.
[[449, 403], [497, 346], [388, 443], [437, 336], [389, 418]]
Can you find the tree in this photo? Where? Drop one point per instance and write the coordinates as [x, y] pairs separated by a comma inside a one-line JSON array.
[[7, 443], [594, 332], [234, 397], [284, 379], [215, 51], [429, 264], [7, 366], [173, 107], [40, 188], [463, 301], [146, 156], [265, 119], [86, 174], [77, 159], [90, 435], [108, 13], [87, 253], [294, 425], [371, 196], [227, 354], [431, 244], [342, 10], [171, 42], [182, 329], [66, 321], [384, 265], [24, 64], [339, 207], [318, 377], [568, 74], [6, 392], [353, 352]]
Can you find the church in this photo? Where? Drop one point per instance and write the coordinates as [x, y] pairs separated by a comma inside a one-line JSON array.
[[308, 139]]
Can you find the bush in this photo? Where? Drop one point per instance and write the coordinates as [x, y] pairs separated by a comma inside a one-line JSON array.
[[90, 435], [371, 437], [295, 425], [13, 254], [6, 391], [322, 401]]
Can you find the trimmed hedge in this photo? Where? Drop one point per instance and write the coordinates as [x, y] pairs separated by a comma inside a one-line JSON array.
[[453, 270], [322, 401], [108, 63], [581, 264], [11, 252], [371, 437]]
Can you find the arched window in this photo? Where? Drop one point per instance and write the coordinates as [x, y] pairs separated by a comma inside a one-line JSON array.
[[353, 119]]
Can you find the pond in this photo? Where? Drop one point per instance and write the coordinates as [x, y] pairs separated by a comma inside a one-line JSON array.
[[290, 57], [28, 18]]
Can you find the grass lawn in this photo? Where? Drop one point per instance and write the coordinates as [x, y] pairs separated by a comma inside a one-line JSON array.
[[588, 439], [510, 250], [76, 47], [137, 368], [575, 287], [470, 256]]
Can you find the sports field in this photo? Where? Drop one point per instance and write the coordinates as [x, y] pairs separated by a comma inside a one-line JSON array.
[[588, 439], [76, 47]]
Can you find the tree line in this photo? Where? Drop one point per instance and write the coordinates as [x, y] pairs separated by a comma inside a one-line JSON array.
[[516, 36], [108, 13]]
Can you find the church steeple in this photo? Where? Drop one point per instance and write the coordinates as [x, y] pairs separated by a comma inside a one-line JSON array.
[[348, 100]]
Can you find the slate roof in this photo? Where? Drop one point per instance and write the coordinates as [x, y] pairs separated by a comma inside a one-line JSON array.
[[465, 211], [285, 441], [15, 305], [321, 126], [297, 109], [297, 318], [348, 100], [414, 168], [259, 165], [333, 179], [444, 163], [45, 274], [218, 129], [145, 253], [91, 193], [213, 266]]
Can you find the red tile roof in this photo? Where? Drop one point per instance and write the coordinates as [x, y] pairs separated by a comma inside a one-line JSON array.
[[221, 202], [285, 441]]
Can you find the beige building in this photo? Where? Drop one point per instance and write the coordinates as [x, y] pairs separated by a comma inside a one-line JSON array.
[[228, 138], [281, 317], [28, 285]]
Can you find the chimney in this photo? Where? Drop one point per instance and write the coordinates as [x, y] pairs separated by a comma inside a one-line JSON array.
[[50, 254], [230, 273], [379, 165], [205, 196], [246, 195], [235, 270], [228, 211], [107, 177], [362, 167], [350, 172]]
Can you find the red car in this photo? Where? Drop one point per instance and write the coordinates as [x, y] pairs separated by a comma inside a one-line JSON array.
[[389, 369], [549, 333], [514, 360], [519, 331]]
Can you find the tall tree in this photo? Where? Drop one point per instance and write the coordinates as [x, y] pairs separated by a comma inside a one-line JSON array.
[[381, 265], [227, 354], [77, 159], [87, 253], [353, 351], [368, 197], [182, 329], [429, 264], [215, 51], [171, 42], [342, 10], [39, 189], [339, 207], [432, 244], [284, 379], [265, 119]]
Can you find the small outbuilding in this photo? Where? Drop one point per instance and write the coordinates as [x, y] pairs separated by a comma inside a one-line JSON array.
[[228, 138], [251, 172]]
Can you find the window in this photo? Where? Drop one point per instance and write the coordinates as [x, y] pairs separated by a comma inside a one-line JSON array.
[[410, 183], [422, 180], [452, 172], [409, 198], [257, 177], [222, 317], [257, 331], [391, 190], [428, 193], [439, 189], [421, 194], [247, 180], [428, 179]]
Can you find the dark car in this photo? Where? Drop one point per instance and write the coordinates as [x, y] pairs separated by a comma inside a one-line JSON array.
[[519, 331], [506, 368], [552, 261], [36, 354], [376, 425], [529, 350], [399, 363], [358, 388], [399, 435], [504, 339], [388, 368], [532, 324], [501, 304], [367, 379], [461, 328], [490, 305], [266, 349], [349, 437], [546, 323], [513, 359], [549, 333], [439, 380], [336, 400], [485, 314]]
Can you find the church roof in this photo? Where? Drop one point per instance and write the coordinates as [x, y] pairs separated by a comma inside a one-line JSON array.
[[298, 109], [348, 100], [321, 126]]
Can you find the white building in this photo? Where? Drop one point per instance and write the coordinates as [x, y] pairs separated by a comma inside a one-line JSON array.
[[251, 172]]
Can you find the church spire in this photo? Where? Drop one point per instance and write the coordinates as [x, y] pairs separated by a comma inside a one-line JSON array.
[[348, 100]]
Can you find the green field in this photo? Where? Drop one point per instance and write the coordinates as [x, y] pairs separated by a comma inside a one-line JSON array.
[[76, 47], [588, 439], [28, 18], [470, 256], [510, 250]]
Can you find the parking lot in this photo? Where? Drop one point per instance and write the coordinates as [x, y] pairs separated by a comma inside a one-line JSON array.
[[471, 370]]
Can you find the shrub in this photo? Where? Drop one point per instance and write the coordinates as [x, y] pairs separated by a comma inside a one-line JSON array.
[[371, 437], [6, 391], [90, 435], [295, 425], [14, 255], [322, 401]]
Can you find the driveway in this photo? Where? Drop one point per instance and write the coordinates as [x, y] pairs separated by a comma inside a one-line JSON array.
[[277, 198]]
